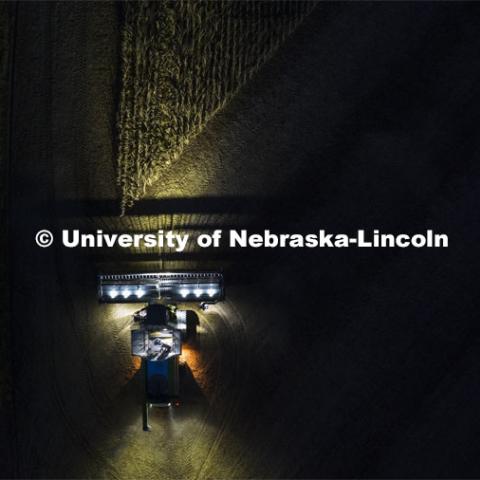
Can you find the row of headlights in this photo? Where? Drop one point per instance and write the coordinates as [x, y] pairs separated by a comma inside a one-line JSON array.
[[126, 292], [140, 292], [198, 292]]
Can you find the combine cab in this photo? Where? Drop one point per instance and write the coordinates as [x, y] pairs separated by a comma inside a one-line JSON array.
[[160, 326]]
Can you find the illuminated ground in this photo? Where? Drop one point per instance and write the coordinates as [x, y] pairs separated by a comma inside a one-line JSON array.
[[320, 364]]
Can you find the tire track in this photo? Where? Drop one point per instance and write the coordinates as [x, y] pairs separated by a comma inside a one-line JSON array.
[[235, 370], [81, 15], [76, 434], [75, 430]]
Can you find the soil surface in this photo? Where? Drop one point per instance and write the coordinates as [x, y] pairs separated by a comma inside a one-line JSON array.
[[345, 363]]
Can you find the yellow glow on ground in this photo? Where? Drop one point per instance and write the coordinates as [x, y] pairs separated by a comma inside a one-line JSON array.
[[119, 310], [192, 357], [136, 363]]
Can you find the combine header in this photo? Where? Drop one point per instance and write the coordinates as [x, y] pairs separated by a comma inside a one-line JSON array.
[[160, 325]]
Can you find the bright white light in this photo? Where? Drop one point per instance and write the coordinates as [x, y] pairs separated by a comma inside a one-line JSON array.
[[140, 292], [126, 293], [198, 292], [184, 292], [211, 292], [113, 293]]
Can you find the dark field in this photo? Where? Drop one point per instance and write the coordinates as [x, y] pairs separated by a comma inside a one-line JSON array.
[[320, 364]]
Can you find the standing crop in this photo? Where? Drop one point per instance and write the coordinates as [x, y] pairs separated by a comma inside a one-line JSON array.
[[181, 62]]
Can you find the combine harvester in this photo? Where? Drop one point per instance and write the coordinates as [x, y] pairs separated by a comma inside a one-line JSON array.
[[161, 326]]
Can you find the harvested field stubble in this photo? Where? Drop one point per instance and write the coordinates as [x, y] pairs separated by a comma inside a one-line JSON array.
[[181, 62]]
